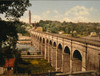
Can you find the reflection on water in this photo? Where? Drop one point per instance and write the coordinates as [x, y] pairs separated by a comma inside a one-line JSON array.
[[25, 46]]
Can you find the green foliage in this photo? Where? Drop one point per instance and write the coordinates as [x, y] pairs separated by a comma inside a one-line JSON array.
[[25, 33], [34, 65], [13, 8], [8, 39], [2, 60], [20, 28], [81, 29], [7, 29], [22, 31]]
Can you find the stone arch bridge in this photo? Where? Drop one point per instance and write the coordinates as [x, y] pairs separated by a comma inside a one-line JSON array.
[[67, 54]]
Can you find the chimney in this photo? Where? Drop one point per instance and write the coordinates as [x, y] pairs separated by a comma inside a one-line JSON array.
[[29, 17], [35, 24]]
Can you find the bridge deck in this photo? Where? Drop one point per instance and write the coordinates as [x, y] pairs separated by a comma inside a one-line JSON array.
[[82, 40]]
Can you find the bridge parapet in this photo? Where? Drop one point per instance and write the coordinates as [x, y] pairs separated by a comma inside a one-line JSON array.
[[82, 40]]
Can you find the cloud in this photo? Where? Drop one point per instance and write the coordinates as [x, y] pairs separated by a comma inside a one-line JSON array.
[[24, 19], [36, 18], [78, 10], [91, 9], [46, 12], [82, 19], [78, 13], [74, 14], [76, 19], [67, 19], [55, 11]]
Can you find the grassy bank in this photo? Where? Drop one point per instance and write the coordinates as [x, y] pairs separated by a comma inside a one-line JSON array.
[[34, 66]]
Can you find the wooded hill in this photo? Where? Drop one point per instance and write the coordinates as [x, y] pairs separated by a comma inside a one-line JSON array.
[[75, 29]]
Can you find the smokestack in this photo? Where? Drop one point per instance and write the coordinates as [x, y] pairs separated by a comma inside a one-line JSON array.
[[29, 17], [35, 24]]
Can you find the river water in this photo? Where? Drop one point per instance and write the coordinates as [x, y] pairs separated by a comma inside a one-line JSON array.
[[25, 47]]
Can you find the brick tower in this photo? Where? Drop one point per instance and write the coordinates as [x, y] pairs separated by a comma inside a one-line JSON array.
[[29, 17], [35, 24]]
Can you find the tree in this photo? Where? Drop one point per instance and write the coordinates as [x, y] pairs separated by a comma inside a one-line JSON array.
[[8, 32], [8, 39], [13, 8]]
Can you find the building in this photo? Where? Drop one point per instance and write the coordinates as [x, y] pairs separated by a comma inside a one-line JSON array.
[[9, 64]]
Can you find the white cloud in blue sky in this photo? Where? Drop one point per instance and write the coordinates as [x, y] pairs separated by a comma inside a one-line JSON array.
[[82, 11]]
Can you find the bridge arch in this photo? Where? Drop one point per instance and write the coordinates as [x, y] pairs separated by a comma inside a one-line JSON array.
[[50, 42], [77, 55], [50, 50], [66, 59], [43, 46], [54, 44], [40, 39], [40, 46], [54, 50], [47, 41], [77, 61], [43, 40], [67, 50], [60, 47], [59, 57]]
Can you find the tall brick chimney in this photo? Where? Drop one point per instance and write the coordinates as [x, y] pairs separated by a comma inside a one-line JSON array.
[[35, 24], [29, 17]]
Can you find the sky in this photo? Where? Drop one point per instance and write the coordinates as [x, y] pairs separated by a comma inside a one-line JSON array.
[[63, 10]]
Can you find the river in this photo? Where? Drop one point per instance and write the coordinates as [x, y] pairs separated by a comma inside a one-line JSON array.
[[25, 47]]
